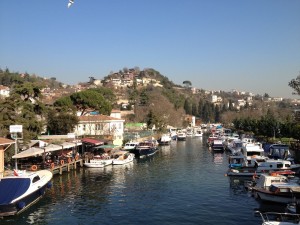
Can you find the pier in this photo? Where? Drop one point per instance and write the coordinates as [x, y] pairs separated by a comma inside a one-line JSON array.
[[66, 167]]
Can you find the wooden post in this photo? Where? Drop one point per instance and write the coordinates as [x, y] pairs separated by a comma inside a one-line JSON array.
[[1, 161]]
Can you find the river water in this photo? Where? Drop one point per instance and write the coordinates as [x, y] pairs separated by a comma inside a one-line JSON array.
[[183, 183]]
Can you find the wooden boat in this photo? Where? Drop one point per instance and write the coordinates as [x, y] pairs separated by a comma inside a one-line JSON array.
[[21, 190], [276, 188]]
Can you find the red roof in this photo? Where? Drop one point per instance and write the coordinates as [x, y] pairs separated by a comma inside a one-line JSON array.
[[92, 141], [99, 118]]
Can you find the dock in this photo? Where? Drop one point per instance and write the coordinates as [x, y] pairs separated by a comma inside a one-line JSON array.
[[66, 167]]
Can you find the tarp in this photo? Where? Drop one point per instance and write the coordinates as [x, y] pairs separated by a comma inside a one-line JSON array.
[[12, 188]]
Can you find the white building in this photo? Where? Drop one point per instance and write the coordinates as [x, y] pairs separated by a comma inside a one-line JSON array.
[[4, 91], [214, 98], [101, 125]]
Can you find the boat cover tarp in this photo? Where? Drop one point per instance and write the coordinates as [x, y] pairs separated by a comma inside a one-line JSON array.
[[12, 188]]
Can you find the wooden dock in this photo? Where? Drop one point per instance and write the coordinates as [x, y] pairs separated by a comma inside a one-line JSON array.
[[66, 167]]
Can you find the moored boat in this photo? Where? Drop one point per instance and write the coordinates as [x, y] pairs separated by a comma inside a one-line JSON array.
[[122, 157], [165, 139], [21, 190], [276, 218], [130, 145], [145, 148], [283, 191]]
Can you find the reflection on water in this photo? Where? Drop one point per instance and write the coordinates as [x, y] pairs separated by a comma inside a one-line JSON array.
[[183, 183]]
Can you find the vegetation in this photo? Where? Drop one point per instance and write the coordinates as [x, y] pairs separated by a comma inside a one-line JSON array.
[[155, 106]]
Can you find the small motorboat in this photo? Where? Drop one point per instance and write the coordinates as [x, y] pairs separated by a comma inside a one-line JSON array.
[[275, 218], [131, 145], [122, 157], [21, 190]]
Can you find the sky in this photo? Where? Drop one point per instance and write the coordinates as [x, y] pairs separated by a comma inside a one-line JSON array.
[[247, 45]]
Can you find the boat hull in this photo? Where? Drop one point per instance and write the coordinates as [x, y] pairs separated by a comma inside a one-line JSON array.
[[143, 152], [22, 204], [99, 164], [34, 192], [283, 198]]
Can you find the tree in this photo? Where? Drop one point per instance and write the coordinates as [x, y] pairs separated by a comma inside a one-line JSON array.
[[89, 100], [295, 84], [187, 83], [61, 122]]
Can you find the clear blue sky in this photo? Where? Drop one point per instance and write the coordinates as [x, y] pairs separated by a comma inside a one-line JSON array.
[[249, 45]]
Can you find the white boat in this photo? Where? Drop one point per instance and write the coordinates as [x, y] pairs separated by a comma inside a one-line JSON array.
[[130, 145], [275, 218], [99, 162], [198, 133], [181, 136], [266, 189], [165, 139], [217, 145], [235, 146], [20, 191], [252, 149], [122, 157], [269, 165]]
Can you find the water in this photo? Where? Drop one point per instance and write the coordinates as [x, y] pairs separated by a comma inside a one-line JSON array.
[[182, 184]]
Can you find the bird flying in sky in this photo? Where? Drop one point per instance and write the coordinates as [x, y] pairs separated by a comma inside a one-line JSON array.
[[70, 3]]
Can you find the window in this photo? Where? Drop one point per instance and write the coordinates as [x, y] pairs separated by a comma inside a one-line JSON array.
[[35, 179]]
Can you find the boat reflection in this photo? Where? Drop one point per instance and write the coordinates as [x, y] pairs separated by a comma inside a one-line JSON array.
[[238, 185], [218, 158]]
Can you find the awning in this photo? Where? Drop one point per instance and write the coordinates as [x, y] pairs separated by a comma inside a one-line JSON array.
[[37, 151], [92, 141], [29, 152], [70, 144]]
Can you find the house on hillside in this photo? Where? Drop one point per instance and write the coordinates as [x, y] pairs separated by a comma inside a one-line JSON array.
[[101, 125], [4, 91]]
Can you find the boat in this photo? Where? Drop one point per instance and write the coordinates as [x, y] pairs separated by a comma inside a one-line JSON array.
[[277, 151], [181, 136], [189, 132], [252, 149], [21, 190], [235, 146], [284, 191], [270, 165], [198, 132], [211, 138], [217, 145], [99, 161], [165, 139], [122, 157], [145, 148], [276, 218], [130, 145]]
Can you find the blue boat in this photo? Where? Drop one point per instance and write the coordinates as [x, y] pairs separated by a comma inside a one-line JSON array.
[[21, 190], [145, 148]]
